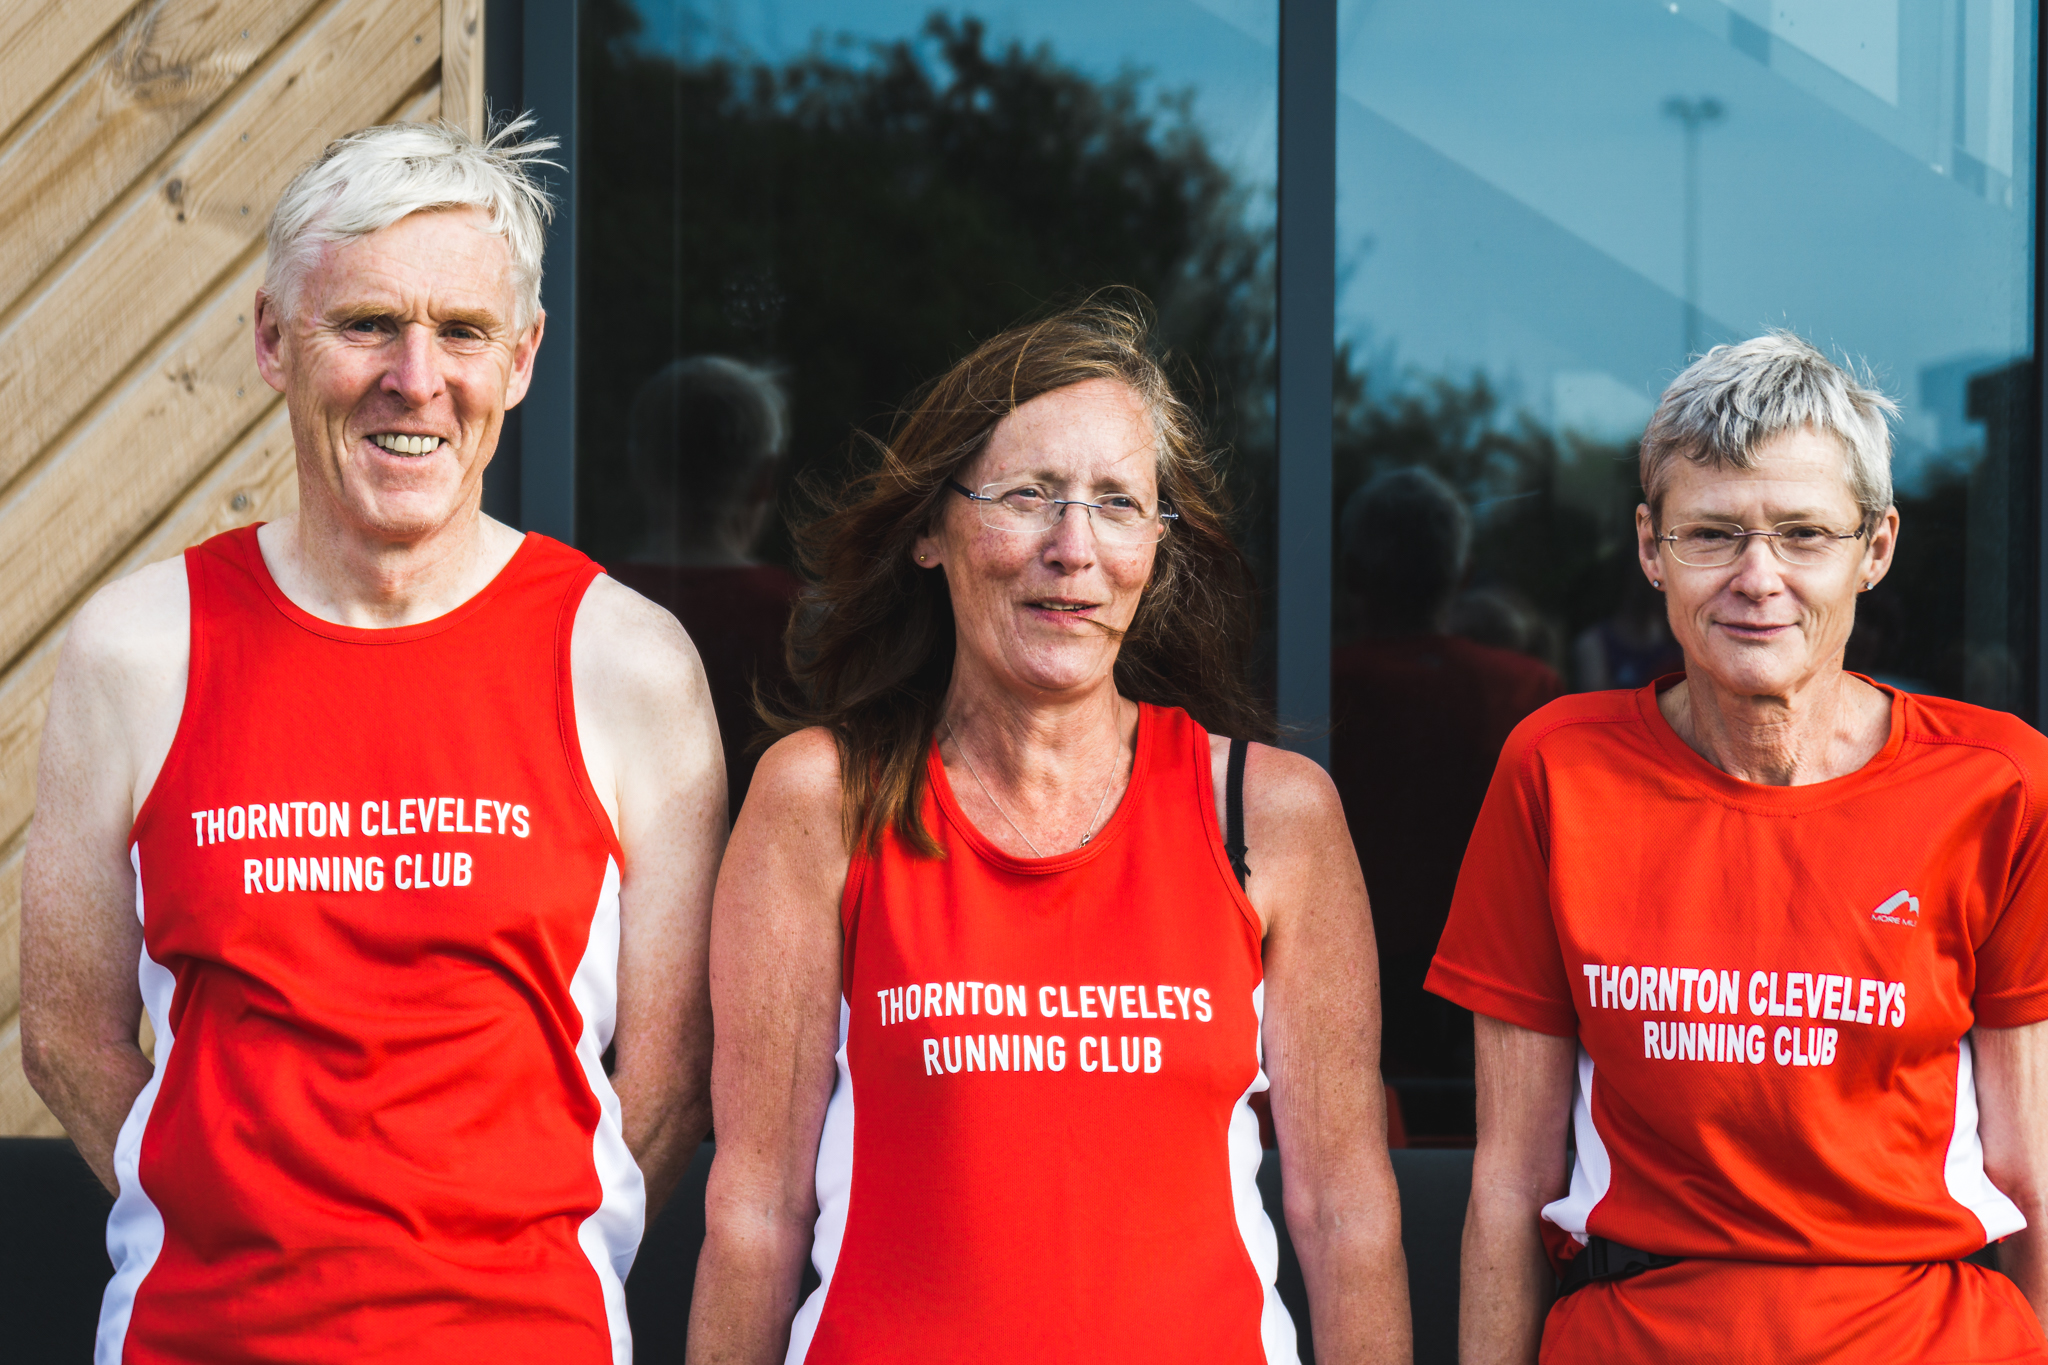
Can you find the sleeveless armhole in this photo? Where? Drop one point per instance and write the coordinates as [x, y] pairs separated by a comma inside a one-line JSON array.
[[565, 694], [195, 665]]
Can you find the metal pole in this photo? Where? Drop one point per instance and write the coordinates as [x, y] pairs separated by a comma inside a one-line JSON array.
[[1692, 116], [1306, 363], [547, 464]]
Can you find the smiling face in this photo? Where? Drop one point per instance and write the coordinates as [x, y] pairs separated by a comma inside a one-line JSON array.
[[1760, 626], [1029, 608], [397, 366]]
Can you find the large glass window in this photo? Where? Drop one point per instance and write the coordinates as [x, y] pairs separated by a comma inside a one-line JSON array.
[[1543, 210], [792, 212]]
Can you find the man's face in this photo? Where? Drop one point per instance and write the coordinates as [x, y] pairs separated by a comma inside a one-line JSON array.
[[397, 366]]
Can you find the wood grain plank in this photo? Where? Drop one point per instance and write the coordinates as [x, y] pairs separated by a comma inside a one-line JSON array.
[[160, 70], [462, 64], [22, 1112], [67, 522], [40, 40], [253, 482], [131, 278]]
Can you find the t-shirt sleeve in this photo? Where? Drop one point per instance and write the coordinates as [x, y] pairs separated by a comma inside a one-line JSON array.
[[2012, 961], [1499, 955]]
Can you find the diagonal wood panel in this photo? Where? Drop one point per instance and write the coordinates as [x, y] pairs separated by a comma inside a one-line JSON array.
[[199, 210], [40, 40], [147, 82]]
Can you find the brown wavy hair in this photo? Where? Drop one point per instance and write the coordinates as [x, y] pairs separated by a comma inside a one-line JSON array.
[[871, 645]]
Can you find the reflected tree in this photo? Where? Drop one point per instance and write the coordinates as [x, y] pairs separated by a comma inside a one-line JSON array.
[[863, 215]]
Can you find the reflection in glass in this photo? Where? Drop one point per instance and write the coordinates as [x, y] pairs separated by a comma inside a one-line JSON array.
[[1544, 209], [848, 196]]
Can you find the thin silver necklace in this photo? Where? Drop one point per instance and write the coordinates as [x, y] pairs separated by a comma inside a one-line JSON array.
[[1100, 801]]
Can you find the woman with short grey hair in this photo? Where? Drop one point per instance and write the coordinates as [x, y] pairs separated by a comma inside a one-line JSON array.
[[1769, 936]]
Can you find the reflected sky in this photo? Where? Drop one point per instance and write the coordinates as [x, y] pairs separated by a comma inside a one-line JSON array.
[[1511, 193], [1224, 51]]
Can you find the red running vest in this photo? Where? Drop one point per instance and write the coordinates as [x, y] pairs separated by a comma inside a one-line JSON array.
[[379, 904], [1039, 1147]]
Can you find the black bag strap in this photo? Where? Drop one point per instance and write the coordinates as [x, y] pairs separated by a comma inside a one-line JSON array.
[[1233, 810], [1605, 1260]]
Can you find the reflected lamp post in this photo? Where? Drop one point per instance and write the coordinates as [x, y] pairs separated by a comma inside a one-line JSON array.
[[1693, 115]]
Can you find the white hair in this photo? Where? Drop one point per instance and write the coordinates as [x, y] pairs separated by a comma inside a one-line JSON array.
[[369, 180], [1736, 398]]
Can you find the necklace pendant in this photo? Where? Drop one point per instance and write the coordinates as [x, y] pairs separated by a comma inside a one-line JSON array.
[[1086, 837]]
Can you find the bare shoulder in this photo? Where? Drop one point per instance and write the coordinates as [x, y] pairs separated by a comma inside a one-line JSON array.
[[1279, 787], [132, 639], [798, 777], [626, 643]]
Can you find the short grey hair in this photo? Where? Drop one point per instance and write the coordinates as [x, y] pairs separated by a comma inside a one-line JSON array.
[[1736, 398], [369, 180]]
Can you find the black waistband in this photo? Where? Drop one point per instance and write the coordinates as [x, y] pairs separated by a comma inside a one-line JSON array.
[[1605, 1260]]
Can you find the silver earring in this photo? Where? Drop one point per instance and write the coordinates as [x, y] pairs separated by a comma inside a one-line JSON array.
[[1657, 583]]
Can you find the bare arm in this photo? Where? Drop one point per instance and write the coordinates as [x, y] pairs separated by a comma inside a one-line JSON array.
[[775, 969], [1322, 1039], [650, 742], [113, 712], [2012, 1120], [1525, 1098]]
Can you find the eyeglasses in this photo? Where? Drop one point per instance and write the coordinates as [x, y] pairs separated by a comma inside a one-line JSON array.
[[1717, 544], [1031, 509]]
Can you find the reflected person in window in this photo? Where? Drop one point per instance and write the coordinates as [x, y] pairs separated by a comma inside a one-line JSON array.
[[991, 997], [1418, 718], [705, 441], [1772, 938]]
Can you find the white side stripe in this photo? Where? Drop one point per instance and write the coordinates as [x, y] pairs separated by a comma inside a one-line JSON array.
[[1261, 1243], [1968, 1185], [135, 1229], [835, 1193], [1591, 1170], [611, 1235]]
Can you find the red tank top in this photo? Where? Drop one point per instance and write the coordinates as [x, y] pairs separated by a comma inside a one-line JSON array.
[[1039, 1147], [379, 903]]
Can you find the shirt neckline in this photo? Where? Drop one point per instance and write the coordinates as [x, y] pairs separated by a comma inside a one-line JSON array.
[[986, 850], [1756, 795], [252, 550]]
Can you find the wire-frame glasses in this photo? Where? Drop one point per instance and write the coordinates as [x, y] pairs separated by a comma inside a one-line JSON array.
[[1031, 509]]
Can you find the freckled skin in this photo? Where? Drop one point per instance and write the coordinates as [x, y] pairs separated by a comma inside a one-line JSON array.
[[411, 329]]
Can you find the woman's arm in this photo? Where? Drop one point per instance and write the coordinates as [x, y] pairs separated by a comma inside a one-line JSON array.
[[1525, 1100], [2012, 1121], [1322, 1039], [775, 959]]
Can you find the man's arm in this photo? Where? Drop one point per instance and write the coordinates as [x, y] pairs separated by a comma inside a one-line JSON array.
[[1525, 1098], [650, 743], [2012, 1122], [1322, 1038], [775, 971], [114, 710]]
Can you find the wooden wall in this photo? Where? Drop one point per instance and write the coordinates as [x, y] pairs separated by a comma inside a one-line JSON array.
[[141, 149]]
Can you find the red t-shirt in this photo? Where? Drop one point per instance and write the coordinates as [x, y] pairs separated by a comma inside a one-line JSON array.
[[1771, 988]]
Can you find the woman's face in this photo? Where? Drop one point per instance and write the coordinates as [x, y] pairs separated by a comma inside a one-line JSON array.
[[1030, 607], [1761, 626]]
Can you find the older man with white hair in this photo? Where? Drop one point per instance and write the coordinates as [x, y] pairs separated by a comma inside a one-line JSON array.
[[402, 826]]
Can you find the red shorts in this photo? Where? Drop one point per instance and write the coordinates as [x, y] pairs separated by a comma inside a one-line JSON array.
[[1945, 1313]]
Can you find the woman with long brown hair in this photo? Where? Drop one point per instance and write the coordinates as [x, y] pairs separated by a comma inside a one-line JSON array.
[[1014, 922]]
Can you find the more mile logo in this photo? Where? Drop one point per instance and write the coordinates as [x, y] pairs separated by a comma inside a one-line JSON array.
[[1903, 908]]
